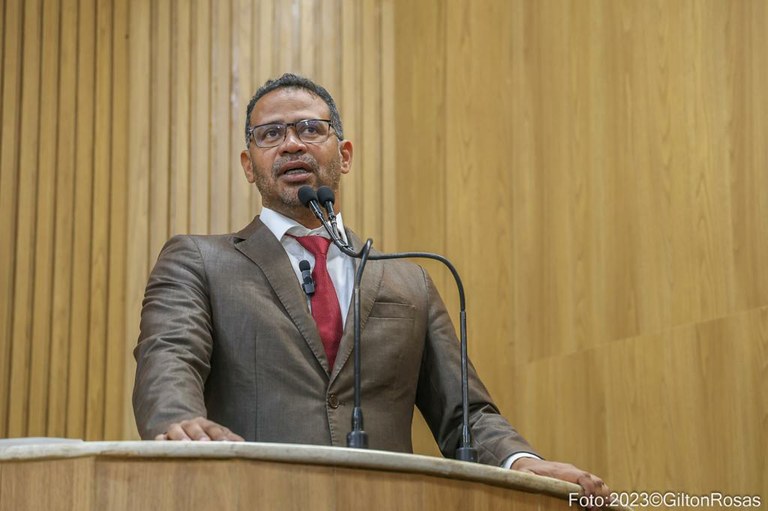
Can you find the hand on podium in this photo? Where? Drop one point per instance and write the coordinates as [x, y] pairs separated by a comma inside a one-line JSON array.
[[591, 484], [199, 429]]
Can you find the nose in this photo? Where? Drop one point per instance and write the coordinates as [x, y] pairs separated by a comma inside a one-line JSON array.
[[292, 142]]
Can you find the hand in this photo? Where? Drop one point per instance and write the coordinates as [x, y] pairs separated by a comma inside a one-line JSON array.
[[591, 484], [199, 429]]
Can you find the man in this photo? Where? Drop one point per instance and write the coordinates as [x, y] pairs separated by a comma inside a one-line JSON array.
[[232, 348]]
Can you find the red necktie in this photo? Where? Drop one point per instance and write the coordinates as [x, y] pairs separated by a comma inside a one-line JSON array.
[[325, 303]]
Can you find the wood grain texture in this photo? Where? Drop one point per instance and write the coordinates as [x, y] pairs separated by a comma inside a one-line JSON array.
[[114, 406], [420, 117], [605, 190], [122, 124], [248, 476], [66, 133], [62, 486], [98, 338], [44, 228], [9, 162], [82, 220], [26, 192]]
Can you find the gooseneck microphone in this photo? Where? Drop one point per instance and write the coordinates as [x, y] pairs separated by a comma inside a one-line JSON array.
[[357, 437], [308, 197], [327, 198]]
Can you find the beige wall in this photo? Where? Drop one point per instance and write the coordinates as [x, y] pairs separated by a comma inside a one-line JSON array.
[[596, 169], [598, 172]]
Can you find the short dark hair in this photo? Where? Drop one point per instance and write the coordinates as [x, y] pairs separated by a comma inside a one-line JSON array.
[[292, 81]]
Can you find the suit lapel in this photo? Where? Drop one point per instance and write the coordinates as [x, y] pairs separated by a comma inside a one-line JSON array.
[[369, 288], [259, 245]]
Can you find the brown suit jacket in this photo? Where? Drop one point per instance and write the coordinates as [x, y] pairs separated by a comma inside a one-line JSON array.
[[226, 333]]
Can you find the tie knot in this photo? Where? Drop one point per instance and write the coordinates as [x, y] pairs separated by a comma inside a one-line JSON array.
[[317, 245]]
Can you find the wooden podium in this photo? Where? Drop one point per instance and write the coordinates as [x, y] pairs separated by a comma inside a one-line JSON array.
[[116, 476]]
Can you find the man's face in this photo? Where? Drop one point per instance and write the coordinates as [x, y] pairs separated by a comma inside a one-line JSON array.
[[280, 171]]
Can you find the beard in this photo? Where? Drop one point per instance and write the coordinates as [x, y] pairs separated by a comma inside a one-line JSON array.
[[284, 197]]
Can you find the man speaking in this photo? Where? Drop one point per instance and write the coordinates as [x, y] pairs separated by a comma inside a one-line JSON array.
[[233, 347]]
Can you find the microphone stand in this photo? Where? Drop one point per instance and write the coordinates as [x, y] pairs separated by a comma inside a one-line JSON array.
[[357, 437]]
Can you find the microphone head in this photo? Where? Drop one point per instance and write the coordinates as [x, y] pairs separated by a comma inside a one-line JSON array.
[[304, 265], [325, 194], [307, 195]]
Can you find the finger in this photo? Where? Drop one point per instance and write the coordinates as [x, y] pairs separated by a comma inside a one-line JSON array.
[[194, 430], [220, 433], [586, 481], [161, 436], [176, 432], [602, 489]]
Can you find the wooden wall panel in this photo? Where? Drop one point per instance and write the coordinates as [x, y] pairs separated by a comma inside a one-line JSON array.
[[44, 234], [603, 176], [117, 339], [122, 124], [64, 175], [9, 145], [25, 219], [97, 368]]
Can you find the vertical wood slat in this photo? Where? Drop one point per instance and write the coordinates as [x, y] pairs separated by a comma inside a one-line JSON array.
[[9, 154], [243, 86], [160, 127], [369, 173], [99, 290], [262, 41], [308, 28], [387, 126], [219, 157], [117, 364], [139, 147], [25, 221], [65, 181], [349, 106], [82, 221], [329, 48], [44, 228], [180, 118], [421, 109], [281, 34], [199, 203]]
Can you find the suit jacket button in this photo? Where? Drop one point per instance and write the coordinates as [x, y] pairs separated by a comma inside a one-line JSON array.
[[333, 401]]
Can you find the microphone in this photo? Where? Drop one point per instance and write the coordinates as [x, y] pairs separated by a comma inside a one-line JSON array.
[[357, 437], [308, 197], [327, 198], [308, 284]]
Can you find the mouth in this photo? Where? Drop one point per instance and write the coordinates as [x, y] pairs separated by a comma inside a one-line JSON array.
[[296, 170]]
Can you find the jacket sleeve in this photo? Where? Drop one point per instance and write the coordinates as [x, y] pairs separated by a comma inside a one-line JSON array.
[[175, 343], [439, 394]]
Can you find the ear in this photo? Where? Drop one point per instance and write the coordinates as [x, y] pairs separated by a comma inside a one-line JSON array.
[[345, 150], [245, 161]]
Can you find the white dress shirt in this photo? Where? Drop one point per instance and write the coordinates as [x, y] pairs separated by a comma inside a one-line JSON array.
[[340, 267]]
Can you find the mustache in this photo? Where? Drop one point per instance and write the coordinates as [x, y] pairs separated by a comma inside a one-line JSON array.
[[303, 158]]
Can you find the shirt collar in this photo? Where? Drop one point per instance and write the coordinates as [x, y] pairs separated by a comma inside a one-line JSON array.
[[280, 225]]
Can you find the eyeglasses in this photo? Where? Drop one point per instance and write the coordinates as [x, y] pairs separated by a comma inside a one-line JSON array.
[[309, 131]]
